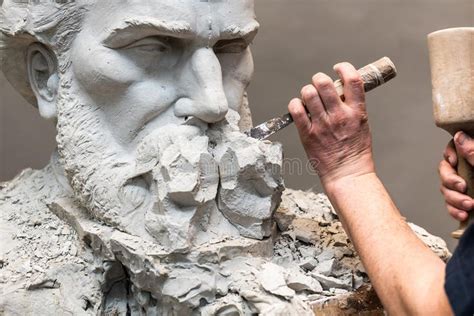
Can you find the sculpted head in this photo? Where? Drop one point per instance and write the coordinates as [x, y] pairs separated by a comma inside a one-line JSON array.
[[145, 96]]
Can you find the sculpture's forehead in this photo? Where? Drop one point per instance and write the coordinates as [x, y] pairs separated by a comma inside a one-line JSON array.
[[195, 13]]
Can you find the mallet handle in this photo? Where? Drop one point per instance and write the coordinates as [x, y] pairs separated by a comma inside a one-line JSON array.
[[466, 171]]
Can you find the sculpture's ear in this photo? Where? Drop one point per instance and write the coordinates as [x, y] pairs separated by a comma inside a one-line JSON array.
[[44, 79]]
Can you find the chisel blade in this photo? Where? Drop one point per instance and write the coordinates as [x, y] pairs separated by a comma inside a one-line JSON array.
[[265, 130]]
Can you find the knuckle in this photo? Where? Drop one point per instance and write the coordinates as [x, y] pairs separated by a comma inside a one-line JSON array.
[[296, 112], [355, 114], [302, 118], [342, 119], [469, 152], [312, 134], [441, 167], [316, 77], [355, 81], [316, 133], [446, 154], [451, 210], [448, 195], [445, 170], [322, 81], [364, 118], [308, 92]]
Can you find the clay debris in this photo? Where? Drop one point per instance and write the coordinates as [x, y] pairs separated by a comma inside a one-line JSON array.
[[313, 238], [42, 261], [54, 248]]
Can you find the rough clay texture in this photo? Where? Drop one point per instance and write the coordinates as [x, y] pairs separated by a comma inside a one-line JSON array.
[[56, 259]]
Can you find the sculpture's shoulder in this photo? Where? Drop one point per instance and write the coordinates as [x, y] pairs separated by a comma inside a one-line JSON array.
[[44, 269]]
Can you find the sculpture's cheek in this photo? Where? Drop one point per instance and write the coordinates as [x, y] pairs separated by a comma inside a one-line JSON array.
[[237, 71], [152, 95], [103, 71]]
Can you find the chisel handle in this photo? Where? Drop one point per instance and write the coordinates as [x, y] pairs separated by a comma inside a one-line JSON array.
[[373, 75]]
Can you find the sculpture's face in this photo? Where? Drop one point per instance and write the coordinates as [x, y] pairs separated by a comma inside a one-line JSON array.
[[150, 63], [147, 127]]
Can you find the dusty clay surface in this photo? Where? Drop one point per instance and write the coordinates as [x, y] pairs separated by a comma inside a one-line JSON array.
[[58, 253]]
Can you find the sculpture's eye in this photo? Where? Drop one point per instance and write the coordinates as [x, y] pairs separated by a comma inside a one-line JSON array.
[[151, 45], [234, 46]]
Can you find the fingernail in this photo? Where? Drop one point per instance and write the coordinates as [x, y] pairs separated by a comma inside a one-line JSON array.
[[467, 205], [461, 138], [460, 187], [462, 216]]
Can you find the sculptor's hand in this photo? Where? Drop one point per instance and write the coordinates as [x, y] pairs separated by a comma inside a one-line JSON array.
[[337, 137], [453, 187]]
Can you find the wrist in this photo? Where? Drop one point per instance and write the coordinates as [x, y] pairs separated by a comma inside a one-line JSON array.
[[349, 183], [348, 171]]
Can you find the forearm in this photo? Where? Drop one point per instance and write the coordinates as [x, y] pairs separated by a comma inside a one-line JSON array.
[[407, 276]]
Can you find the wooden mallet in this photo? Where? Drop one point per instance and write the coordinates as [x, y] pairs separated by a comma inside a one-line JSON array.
[[452, 73]]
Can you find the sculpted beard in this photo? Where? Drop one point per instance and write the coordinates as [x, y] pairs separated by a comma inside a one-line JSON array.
[[100, 174], [175, 187], [117, 187]]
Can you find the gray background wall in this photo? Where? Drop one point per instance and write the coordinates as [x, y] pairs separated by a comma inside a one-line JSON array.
[[299, 38]]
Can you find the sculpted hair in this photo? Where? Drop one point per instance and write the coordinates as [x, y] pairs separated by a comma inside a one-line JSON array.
[[52, 23]]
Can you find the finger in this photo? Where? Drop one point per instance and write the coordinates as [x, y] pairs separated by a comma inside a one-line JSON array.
[[456, 199], [465, 146], [327, 92], [299, 115], [353, 85], [450, 154], [456, 213], [311, 100], [450, 179]]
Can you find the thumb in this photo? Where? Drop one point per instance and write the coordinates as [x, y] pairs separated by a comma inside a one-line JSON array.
[[465, 146]]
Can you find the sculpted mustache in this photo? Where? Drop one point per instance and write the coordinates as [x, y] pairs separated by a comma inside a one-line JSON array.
[[145, 171], [146, 160], [145, 164]]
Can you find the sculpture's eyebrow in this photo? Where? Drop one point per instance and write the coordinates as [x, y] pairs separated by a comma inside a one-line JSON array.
[[246, 32], [131, 30]]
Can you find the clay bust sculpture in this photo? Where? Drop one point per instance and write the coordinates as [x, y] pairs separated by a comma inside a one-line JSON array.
[[145, 96], [155, 202], [132, 90]]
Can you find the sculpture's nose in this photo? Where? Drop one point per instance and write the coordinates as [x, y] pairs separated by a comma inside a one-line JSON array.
[[204, 91]]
